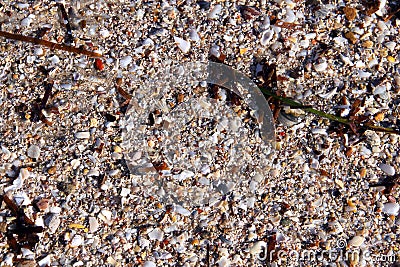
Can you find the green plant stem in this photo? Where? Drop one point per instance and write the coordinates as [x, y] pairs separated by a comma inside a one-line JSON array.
[[293, 104]]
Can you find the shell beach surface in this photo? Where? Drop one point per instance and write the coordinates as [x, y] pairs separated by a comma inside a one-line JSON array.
[[74, 129]]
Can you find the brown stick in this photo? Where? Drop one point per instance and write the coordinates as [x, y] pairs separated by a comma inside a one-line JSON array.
[[49, 44]]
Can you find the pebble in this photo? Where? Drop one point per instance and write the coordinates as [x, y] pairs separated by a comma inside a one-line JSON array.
[[93, 224], [82, 135], [389, 170], [34, 152], [27, 21], [391, 208], [183, 45]]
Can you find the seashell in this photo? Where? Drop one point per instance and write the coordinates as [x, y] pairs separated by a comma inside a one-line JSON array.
[[266, 37], [214, 12], [193, 35], [391, 208], [389, 170], [183, 45]]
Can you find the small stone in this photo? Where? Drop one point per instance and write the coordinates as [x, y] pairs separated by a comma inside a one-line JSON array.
[[351, 37], [105, 216], [339, 183], [321, 66], [117, 149], [389, 170], [46, 261], [391, 59], [52, 170], [104, 33], [368, 44], [34, 152], [125, 192], [76, 241], [356, 241], [380, 116], [94, 122], [391, 208], [193, 35], [93, 224], [350, 13]]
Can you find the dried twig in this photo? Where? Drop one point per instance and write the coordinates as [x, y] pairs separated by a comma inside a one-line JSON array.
[[48, 44], [65, 19]]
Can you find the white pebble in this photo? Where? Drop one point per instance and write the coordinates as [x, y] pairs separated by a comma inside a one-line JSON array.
[[76, 241], [224, 262], [156, 234], [215, 51], [82, 135], [381, 89], [125, 192], [34, 152], [389, 170], [214, 12], [105, 215], [391, 45], [391, 208], [183, 45], [125, 61]]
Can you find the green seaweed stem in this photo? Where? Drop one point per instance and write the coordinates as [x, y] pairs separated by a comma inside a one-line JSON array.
[[294, 104]]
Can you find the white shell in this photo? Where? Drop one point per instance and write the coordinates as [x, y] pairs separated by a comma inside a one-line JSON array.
[[214, 12], [183, 45], [156, 234], [125, 61], [389, 170], [356, 241], [391, 208], [76, 241], [258, 247], [194, 36], [321, 66], [82, 135], [266, 37]]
